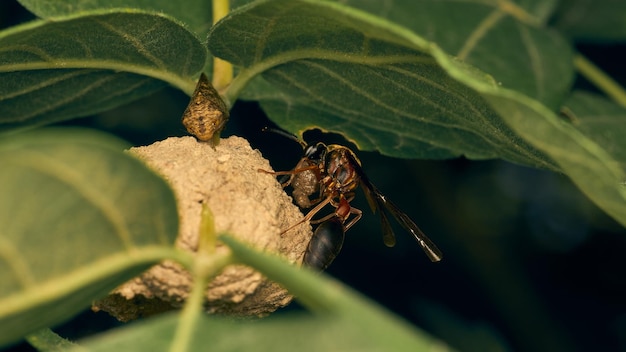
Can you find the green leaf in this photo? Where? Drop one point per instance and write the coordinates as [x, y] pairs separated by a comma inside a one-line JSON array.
[[588, 163], [593, 21], [352, 73], [194, 13], [29, 98], [295, 332], [78, 217], [508, 40], [83, 64], [601, 120], [345, 321], [386, 88]]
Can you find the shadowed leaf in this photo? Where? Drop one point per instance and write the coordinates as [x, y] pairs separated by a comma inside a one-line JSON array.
[[83, 64]]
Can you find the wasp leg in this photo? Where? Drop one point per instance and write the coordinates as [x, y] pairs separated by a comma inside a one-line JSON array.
[[309, 215]]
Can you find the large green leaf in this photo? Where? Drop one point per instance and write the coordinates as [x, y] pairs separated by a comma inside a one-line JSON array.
[[508, 40], [387, 88], [349, 72], [344, 320], [78, 217], [197, 14], [301, 332], [91, 62]]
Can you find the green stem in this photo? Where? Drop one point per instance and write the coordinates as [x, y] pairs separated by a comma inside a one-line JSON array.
[[603, 81], [222, 70], [205, 268], [207, 264], [190, 315], [220, 9]]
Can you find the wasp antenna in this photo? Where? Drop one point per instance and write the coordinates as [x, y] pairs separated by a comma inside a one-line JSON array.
[[285, 134]]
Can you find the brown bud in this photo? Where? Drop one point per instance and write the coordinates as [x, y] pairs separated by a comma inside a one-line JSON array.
[[207, 114]]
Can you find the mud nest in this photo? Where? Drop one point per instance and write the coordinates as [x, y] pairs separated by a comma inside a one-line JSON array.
[[251, 206]]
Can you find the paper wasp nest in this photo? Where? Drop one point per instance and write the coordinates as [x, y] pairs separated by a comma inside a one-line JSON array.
[[245, 203]]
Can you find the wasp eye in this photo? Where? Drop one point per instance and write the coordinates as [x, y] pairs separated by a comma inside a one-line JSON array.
[[315, 152]]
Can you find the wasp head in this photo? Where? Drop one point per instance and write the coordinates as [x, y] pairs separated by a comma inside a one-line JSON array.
[[316, 153]]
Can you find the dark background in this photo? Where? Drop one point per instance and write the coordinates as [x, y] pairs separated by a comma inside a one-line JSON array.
[[529, 263]]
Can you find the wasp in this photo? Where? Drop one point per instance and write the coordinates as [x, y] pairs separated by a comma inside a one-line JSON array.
[[334, 172]]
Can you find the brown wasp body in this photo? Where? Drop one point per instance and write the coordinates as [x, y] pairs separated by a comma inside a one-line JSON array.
[[338, 174]]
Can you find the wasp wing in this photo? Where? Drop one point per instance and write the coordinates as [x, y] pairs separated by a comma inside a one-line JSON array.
[[374, 202], [377, 204], [431, 250], [377, 200]]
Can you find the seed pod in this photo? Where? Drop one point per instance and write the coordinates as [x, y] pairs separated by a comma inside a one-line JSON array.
[[207, 114]]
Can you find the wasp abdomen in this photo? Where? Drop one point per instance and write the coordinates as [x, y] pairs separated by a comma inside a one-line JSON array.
[[325, 244]]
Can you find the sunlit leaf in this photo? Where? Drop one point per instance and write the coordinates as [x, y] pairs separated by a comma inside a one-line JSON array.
[[78, 217]]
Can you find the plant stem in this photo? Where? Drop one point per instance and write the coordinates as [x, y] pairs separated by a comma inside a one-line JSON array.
[[207, 263], [222, 70], [220, 9], [603, 81], [205, 268], [190, 315]]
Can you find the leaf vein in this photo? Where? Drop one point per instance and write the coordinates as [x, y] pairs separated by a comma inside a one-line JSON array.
[[535, 61], [480, 32], [38, 52], [14, 259], [267, 29], [134, 42]]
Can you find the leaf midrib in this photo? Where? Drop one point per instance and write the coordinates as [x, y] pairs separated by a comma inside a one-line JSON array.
[[172, 78]]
